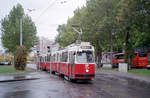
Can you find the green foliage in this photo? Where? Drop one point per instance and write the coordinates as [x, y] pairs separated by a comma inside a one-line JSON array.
[[134, 24], [20, 58], [65, 37], [98, 21], [126, 22], [10, 27]]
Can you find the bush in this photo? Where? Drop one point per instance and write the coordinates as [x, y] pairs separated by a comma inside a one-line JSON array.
[[20, 58]]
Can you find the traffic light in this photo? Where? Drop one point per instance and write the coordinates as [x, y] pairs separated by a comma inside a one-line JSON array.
[[48, 48]]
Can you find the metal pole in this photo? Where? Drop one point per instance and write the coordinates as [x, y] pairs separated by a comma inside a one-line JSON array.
[[21, 31], [111, 49], [81, 31]]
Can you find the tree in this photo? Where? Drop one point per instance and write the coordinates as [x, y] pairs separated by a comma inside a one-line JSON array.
[[109, 25], [98, 21], [9, 58], [65, 37], [20, 58], [30, 58], [134, 25], [1, 58], [10, 27], [143, 24]]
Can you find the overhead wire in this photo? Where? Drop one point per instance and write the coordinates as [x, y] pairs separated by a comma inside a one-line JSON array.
[[46, 9]]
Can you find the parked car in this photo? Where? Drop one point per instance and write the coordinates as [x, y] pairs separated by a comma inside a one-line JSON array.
[[148, 67], [5, 63], [1, 63]]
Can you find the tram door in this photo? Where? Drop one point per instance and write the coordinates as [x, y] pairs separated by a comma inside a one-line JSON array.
[[71, 62]]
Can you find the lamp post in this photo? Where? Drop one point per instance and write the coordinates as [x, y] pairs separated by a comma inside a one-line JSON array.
[[49, 56], [38, 60], [21, 20], [20, 31]]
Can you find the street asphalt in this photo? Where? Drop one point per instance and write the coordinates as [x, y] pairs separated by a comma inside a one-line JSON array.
[[107, 84]]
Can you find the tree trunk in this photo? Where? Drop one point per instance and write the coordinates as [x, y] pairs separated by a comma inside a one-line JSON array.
[[98, 54], [128, 49]]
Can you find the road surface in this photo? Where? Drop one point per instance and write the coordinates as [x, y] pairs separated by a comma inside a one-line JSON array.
[[53, 86]]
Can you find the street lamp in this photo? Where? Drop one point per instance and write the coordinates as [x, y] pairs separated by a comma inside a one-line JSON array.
[[38, 60], [20, 31], [21, 19]]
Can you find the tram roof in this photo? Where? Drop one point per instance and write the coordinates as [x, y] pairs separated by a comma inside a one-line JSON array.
[[75, 47]]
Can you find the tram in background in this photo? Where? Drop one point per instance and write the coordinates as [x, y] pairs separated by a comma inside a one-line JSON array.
[[140, 59], [75, 61]]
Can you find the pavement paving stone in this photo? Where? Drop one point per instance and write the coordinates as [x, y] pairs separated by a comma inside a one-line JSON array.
[[18, 77], [52, 86]]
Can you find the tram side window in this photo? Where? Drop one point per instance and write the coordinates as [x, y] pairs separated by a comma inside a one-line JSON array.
[[40, 59], [57, 57], [135, 55], [71, 57], [54, 58], [45, 58], [142, 54], [49, 57], [65, 57]]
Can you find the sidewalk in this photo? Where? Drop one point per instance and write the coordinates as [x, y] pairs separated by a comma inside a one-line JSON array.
[[18, 77], [124, 75]]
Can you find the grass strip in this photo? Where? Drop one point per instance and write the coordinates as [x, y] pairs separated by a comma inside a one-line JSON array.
[[12, 70], [143, 72]]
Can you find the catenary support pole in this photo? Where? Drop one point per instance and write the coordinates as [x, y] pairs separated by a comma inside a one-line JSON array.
[[20, 31]]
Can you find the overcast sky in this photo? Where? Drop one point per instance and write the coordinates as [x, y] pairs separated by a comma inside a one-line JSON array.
[[48, 14]]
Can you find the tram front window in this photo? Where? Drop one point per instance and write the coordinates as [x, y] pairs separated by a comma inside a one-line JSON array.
[[85, 57]]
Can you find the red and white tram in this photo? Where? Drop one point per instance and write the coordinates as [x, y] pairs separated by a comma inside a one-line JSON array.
[[75, 61]]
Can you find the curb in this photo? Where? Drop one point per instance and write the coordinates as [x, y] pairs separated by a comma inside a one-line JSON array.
[[13, 80]]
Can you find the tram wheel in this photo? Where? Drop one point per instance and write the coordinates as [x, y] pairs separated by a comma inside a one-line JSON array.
[[73, 80], [62, 75]]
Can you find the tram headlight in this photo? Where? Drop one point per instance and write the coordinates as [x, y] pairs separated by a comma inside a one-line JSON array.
[[87, 70]]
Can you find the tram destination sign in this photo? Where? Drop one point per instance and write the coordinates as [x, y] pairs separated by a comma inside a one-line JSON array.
[[86, 47]]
